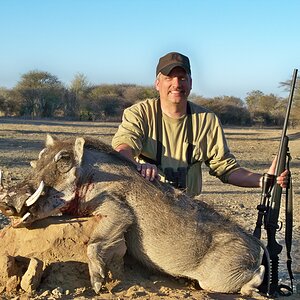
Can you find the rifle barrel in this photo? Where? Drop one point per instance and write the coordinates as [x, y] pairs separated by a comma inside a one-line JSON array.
[[279, 168], [281, 159]]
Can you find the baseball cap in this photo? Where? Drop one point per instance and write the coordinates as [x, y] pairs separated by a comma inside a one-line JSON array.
[[171, 60]]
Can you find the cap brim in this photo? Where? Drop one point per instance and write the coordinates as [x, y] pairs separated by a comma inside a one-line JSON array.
[[166, 70]]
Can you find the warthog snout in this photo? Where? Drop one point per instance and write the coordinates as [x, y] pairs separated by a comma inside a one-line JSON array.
[[17, 201]]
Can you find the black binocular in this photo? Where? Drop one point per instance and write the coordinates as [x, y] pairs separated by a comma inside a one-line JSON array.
[[176, 178]]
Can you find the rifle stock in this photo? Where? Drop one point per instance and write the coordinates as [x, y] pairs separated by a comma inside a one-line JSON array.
[[272, 209]]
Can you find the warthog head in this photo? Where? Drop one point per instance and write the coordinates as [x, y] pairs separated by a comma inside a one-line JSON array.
[[49, 187]]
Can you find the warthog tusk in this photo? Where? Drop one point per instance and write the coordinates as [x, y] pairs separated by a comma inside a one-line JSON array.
[[25, 216], [18, 222], [33, 198]]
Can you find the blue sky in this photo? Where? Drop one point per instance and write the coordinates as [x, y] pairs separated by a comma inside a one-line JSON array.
[[235, 46]]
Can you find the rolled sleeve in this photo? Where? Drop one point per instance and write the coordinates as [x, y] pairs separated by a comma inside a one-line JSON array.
[[222, 167]]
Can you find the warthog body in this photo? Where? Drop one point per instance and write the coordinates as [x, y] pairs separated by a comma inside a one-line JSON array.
[[162, 228]]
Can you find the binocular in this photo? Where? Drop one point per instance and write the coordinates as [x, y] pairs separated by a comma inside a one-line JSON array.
[[176, 178]]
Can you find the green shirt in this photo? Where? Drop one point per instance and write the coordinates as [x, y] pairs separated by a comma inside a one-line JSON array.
[[138, 130]]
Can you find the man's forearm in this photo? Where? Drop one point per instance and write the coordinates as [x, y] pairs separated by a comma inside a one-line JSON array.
[[126, 151], [244, 178]]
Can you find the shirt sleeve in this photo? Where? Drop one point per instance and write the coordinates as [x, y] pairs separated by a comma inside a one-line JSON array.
[[220, 160], [132, 130]]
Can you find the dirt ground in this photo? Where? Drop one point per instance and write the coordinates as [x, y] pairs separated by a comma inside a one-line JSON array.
[[22, 140]]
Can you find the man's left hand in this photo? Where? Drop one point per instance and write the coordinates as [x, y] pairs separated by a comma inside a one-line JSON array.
[[283, 178]]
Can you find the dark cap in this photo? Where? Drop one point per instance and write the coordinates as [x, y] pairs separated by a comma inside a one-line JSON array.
[[171, 60]]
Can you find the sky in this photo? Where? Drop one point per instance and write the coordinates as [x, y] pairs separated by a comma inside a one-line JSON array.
[[234, 46]]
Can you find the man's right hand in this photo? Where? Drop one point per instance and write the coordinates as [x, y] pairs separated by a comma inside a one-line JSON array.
[[148, 171]]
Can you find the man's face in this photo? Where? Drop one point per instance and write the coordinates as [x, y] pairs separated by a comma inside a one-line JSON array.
[[174, 88]]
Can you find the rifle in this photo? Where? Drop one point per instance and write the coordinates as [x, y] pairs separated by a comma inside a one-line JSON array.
[[268, 214]]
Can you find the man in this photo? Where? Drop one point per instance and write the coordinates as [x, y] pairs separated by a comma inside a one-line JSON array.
[[171, 137]]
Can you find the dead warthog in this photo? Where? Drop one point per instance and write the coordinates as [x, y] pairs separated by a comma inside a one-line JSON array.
[[162, 228]]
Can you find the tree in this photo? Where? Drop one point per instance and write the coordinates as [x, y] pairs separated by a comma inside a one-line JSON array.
[[135, 94], [295, 114], [40, 93], [229, 109], [76, 95], [102, 106], [9, 104], [253, 99], [295, 111], [265, 109], [80, 84]]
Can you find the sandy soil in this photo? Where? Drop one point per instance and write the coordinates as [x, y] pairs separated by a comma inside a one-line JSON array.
[[21, 141]]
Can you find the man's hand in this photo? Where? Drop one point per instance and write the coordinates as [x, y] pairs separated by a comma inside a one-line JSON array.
[[283, 178], [148, 171]]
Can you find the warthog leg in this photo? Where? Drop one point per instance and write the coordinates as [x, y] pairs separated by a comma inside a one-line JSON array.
[[250, 288], [231, 265], [107, 244]]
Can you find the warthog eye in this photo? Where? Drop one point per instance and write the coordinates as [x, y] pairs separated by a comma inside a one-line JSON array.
[[64, 165], [64, 161]]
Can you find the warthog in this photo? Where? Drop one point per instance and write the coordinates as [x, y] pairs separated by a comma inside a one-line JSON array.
[[162, 228]]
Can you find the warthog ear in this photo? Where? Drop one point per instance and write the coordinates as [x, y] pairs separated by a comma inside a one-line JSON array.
[[50, 140], [78, 149]]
